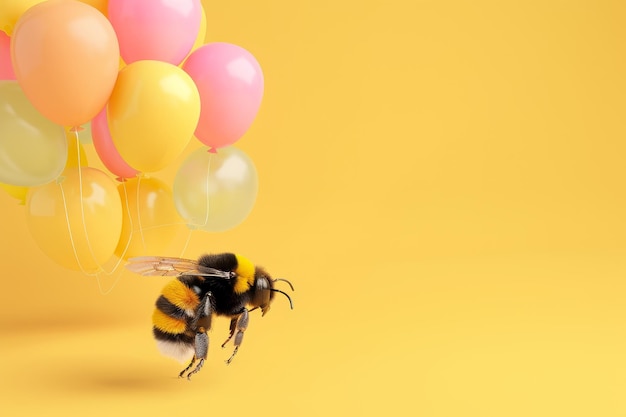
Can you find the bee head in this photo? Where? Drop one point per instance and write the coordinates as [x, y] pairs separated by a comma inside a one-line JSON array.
[[263, 291]]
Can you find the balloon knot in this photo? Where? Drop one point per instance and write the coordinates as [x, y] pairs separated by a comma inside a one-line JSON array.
[[74, 129], [213, 150]]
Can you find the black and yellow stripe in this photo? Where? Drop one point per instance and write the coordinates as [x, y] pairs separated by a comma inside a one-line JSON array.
[[236, 263], [175, 306]]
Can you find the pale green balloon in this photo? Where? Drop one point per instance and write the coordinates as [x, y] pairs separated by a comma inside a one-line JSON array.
[[215, 191], [33, 150]]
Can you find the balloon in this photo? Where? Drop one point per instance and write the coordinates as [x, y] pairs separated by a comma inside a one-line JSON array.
[[230, 82], [161, 30], [65, 56], [153, 219], [201, 33], [108, 154], [19, 192], [101, 5], [6, 67], [152, 114], [16, 191], [33, 150], [74, 151], [94, 234], [215, 191], [10, 12]]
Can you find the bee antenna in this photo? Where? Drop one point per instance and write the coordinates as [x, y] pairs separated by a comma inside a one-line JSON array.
[[285, 294], [284, 280]]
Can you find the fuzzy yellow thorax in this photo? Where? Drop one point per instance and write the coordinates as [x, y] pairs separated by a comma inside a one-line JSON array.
[[245, 274]]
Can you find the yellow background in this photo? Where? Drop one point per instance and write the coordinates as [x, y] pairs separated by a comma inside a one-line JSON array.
[[442, 181]]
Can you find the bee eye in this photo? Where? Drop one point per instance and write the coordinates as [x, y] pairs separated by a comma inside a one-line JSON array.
[[232, 275]]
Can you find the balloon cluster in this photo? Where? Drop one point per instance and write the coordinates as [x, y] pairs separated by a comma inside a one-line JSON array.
[[138, 76]]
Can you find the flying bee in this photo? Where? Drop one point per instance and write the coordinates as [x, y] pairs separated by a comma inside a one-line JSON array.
[[215, 285]]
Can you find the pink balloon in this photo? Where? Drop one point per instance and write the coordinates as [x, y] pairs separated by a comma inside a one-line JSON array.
[[6, 67], [160, 30], [106, 150], [230, 82]]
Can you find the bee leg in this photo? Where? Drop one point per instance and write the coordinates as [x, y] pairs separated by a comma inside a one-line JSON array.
[[202, 323], [233, 326], [202, 348], [241, 326], [193, 360]]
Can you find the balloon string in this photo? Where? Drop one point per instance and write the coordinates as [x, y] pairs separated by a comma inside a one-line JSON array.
[[71, 235], [69, 229], [67, 216], [121, 257], [158, 226], [117, 279], [182, 253], [80, 265], [208, 170], [82, 209], [130, 220], [208, 205], [82, 205], [137, 205]]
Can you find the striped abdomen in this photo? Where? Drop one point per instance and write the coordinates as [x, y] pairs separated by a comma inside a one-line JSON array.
[[171, 320]]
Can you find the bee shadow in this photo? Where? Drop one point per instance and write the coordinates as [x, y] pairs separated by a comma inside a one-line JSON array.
[[113, 378]]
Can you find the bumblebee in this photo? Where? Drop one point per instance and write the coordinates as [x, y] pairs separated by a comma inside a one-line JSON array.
[[215, 285]]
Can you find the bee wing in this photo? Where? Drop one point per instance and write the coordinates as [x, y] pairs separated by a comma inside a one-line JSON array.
[[167, 267]]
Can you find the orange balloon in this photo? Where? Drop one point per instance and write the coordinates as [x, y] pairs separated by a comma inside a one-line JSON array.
[[65, 56], [149, 213], [95, 223]]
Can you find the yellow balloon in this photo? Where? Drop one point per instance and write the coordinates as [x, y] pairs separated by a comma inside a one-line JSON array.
[[73, 153], [215, 191], [16, 191], [152, 113], [33, 150], [10, 12], [149, 212], [95, 219]]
